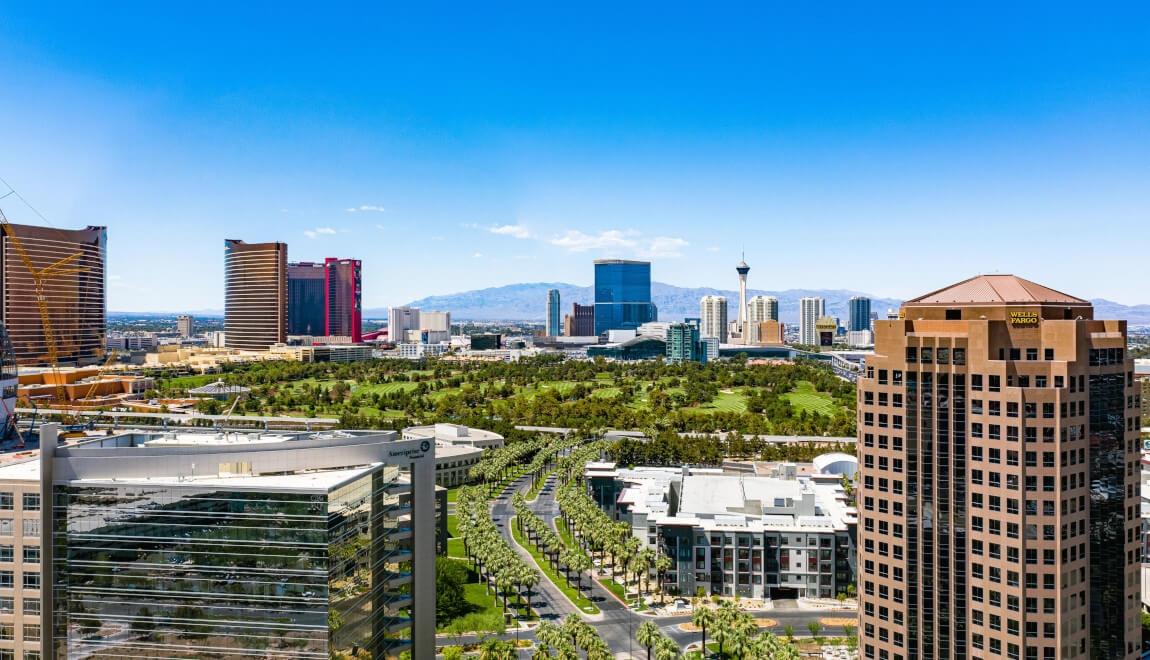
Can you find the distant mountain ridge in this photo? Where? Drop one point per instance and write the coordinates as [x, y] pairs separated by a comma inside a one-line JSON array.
[[528, 302]]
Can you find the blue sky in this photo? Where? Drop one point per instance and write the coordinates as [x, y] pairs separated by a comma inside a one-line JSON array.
[[891, 149]]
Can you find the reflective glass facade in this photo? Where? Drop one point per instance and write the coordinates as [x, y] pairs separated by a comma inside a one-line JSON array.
[[255, 294], [191, 572], [305, 299], [622, 295], [74, 293]]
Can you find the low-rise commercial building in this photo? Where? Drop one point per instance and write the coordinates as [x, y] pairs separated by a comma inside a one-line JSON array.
[[736, 534], [458, 449]]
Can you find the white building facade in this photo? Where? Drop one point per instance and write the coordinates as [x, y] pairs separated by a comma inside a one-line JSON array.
[[811, 309], [713, 318]]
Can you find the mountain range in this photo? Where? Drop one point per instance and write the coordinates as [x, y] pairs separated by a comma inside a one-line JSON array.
[[528, 302]]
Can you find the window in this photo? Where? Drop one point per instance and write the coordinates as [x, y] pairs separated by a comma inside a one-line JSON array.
[[7, 503], [31, 632], [1032, 354], [31, 527], [31, 501], [32, 580], [1048, 353], [7, 579], [6, 554], [31, 606], [32, 554]]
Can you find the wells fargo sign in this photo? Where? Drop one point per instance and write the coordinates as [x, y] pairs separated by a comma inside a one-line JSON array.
[[1024, 319]]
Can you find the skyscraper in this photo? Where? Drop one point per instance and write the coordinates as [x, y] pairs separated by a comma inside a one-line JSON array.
[[580, 322], [326, 299], [255, 294], [998, 483], [622, 295], [8, 382], [713, 318], [554, 323], [859, 314], [762, 308], [810, 311], [742, 269], [306, 295], [399, 321], [343, 308], [185, 325], [683, 343], [74, 293]]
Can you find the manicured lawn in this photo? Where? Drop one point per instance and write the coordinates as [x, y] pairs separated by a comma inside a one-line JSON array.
[[556, 578], [386, 388], [455, 548], [806, 397], [567, 537], [733, 401], [452, 525], [487, 612]]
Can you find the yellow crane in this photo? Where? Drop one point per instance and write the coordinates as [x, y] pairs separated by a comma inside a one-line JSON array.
[[65, 266]]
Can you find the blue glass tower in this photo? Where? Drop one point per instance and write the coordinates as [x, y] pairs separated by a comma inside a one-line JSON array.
[[622, 295], [554, 320], [860, 313]]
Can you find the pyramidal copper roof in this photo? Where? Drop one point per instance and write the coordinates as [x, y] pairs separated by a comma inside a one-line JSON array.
[[997, 289]]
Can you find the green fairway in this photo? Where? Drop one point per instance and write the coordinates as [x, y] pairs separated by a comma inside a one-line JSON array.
[[729, 401], [805, 397]]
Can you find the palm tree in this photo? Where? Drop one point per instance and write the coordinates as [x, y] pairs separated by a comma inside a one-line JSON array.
[[648, 634], [704, 617], [494, 648], [666, 649], [663, 564]]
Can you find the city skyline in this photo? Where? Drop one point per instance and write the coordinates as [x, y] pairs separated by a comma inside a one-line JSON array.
[[518, 155]]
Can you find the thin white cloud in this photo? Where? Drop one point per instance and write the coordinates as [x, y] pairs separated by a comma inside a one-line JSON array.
[[477, 255], [516, 231], [319, 231], [713, 248], [664, 246], [366, 208], [574, 240]]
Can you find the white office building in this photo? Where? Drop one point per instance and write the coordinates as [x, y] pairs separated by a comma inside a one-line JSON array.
[[811, 309], [713, 318], [400, 320]]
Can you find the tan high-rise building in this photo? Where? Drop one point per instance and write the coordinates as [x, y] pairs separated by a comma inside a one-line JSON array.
[[998, 479], [255, 304], [73, 292]]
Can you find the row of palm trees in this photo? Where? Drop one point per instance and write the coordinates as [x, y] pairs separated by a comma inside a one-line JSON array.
[[544, 538], [493, 467], [737, 634], [564, 641], [501, 568], [546, 457], [597, 533]]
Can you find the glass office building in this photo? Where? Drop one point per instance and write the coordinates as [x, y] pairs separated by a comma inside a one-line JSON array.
[[622, 295], [859, 314], [295, 546]]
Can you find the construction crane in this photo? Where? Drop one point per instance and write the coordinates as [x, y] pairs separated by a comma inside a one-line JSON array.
[[65, 266]]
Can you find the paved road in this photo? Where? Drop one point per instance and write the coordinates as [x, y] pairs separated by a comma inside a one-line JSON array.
[[617, 624]]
